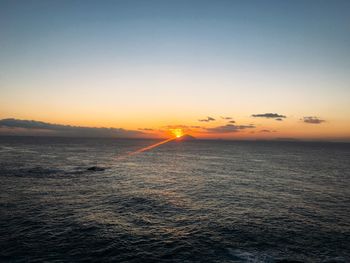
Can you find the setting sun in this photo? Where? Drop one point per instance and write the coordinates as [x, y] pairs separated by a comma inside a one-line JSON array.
[[177, 132]]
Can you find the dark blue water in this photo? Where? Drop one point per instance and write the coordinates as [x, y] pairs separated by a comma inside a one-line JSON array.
[[193, 201]]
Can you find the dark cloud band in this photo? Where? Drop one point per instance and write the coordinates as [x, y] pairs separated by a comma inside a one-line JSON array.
[[32, 127], [276, 116]]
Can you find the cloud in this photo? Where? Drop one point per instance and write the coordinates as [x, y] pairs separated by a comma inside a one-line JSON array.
[[276, 116], [32, 127], [264, 131], [312, 120], [231, 122], [145, 129], [182, 127], [208, 119], [185, 128], [228, 128], [226, 118]]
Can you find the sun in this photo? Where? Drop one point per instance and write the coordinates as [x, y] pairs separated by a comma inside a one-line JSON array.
[[177, 132]]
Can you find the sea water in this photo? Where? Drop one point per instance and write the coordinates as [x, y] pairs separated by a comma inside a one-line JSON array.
[[71, 199]]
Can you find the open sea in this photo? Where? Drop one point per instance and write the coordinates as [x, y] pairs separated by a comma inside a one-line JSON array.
[[74, 199]]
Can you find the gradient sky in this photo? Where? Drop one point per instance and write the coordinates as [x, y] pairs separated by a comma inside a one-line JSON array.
[[151, 64]]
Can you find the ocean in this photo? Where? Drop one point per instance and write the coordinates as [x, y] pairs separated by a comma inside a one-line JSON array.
[[81, 199]]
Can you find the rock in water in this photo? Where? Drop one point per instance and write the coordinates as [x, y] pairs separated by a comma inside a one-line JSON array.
[[96, 169]]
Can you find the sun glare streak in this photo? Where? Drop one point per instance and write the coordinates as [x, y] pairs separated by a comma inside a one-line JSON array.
[[178, 133], [145, 149]]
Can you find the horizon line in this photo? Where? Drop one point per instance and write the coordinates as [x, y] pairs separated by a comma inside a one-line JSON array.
[[196, 139]]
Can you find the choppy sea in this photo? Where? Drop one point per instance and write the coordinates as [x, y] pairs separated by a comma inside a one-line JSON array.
[[71, 199]]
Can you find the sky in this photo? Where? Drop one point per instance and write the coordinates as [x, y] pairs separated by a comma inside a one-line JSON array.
[[215, 69]]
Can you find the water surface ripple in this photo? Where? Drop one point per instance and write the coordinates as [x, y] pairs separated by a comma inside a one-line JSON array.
[[195, 201]]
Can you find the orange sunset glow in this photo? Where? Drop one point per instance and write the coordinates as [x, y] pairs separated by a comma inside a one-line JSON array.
[[163, 76]]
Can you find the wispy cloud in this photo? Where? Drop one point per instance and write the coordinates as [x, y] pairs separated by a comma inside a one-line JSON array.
[[228, 128], [145, 129], [185, 128], [208, 119], [226, 118], [32, 127], [232, 121], [312, 120], [182, 127], [265, 131], [276, 116]]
